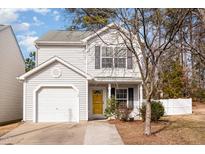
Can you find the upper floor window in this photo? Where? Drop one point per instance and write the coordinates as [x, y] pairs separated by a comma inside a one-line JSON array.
[[112, 57]]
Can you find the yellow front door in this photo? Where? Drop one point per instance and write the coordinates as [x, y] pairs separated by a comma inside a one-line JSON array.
[[97, 101]]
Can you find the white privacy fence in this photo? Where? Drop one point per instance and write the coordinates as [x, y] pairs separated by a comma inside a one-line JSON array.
[[177, 106]]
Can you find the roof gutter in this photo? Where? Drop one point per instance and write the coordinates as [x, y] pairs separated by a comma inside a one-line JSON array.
[[64, 43]]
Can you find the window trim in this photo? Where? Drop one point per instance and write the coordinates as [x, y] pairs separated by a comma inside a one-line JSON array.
[[127, 94], [113, 58]]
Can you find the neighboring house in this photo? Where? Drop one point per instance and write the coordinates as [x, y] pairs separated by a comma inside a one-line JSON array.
[[76, 73], [11, 65]]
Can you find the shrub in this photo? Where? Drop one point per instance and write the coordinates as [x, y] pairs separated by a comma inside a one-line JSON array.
[[114, 109], [111, 108], [157, 111], [199, 95], [124, 114]]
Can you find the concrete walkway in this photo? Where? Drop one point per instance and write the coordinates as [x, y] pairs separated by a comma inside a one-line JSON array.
[[102, 133]]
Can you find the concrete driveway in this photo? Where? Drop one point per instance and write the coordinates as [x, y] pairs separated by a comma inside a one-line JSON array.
[[93, 132], [46, 133]]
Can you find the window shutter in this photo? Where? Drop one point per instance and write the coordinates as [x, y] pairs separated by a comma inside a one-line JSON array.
[[130, 98], [129, 59], [112, 92], [97, 57]]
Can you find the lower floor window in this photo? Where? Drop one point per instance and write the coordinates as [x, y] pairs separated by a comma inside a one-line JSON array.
[[121, 97]]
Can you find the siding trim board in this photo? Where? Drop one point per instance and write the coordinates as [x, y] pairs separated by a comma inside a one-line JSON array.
[[52, 85]]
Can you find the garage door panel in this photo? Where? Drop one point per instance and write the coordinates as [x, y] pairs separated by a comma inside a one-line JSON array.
[[57, 105]]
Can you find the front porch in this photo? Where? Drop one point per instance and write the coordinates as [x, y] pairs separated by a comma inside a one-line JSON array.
[[129, 93]]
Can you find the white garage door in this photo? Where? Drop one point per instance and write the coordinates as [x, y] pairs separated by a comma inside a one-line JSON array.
[[57, 105]]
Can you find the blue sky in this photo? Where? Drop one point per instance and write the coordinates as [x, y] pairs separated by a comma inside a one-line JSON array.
[[30, 24]]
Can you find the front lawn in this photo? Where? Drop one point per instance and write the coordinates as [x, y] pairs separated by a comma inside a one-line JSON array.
[[189, 129]]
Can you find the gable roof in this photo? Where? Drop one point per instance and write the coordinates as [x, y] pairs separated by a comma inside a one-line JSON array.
[[69, 37], [50, 61]]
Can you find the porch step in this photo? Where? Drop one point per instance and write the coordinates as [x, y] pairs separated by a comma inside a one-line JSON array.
[[97, 117]]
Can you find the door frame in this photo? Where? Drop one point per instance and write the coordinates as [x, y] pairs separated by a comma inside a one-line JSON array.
[[35, 99], [90, 113]]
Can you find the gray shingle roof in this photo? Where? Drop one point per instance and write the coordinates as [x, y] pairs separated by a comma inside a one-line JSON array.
[[64, 36], [3, 27]]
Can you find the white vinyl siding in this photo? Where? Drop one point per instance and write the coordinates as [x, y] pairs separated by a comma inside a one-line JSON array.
[[44, 77], [74, 55], [11, 66]]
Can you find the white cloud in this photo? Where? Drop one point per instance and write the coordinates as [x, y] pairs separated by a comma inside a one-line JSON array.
[[31, 33], [56, 15], [8, 16], [21, 27], [37, 22], [55, 12], [42, 11], [27, 41]]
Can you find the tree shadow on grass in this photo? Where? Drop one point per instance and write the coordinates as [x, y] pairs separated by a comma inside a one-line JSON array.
[[166, 124]]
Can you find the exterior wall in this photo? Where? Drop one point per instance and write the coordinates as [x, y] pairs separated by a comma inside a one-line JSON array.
[[74, 55], [109, 38], [11, 66], [44, 76], [104, 87]]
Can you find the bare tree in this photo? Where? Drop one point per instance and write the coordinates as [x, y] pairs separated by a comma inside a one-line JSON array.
[[150, 31]]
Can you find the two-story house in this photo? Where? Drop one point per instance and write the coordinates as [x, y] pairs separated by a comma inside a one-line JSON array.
[[76, 73]]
